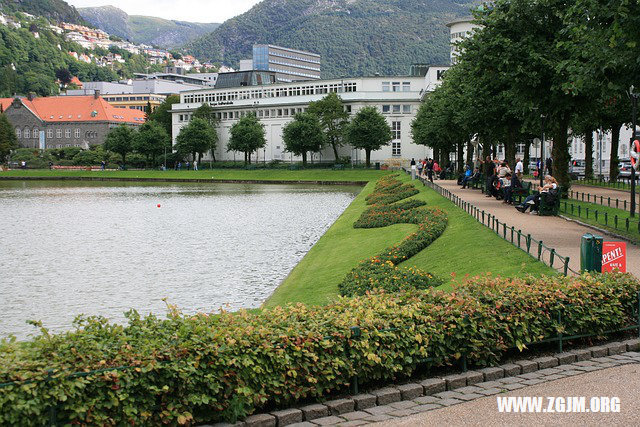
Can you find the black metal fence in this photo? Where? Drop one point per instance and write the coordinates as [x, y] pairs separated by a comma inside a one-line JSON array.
[[599, 200], [613, 221]]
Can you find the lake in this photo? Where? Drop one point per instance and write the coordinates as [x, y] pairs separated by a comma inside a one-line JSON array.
[[103, 248]]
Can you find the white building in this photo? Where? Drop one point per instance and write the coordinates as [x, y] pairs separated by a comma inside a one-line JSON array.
[[397, 99], [459, 30]]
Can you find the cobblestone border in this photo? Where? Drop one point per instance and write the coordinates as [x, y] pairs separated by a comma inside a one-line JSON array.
[[403, 400]]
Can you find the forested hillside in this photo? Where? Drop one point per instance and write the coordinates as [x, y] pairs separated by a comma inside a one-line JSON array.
[[144, 29], [354, 37], [54, 10]]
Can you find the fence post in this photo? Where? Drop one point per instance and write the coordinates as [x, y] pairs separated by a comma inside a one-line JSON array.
[[504, 230], [552, 257], [566, 265], [519, 237], [355, 334], [528, 242], [539, 250]]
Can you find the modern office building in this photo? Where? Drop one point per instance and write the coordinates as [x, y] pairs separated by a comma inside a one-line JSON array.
[[135, 101], [290, 65], [397, 98], [245, 78]]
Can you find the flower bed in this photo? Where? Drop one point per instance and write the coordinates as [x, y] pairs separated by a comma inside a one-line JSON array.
[[381, 271], [203, 368]]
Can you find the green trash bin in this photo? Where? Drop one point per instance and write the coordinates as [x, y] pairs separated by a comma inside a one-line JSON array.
[[591, 253], [377, 166]]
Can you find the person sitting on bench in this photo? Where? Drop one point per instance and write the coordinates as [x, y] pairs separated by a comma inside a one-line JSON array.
[[550, 188]]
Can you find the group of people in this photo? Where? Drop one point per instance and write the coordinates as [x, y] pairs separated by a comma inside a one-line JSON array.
[[501, 182], [178, 165], [428, 168]]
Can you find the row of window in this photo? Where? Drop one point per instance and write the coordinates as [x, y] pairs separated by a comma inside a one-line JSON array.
[[396, 109], [28, 133], [260, 113], [133, 98], [459, 35], [293, 56], [294, 73], [292, 65], [396, 86], [318, 89]]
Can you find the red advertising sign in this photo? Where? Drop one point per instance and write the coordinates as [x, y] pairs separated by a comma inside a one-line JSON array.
[[614, 256]]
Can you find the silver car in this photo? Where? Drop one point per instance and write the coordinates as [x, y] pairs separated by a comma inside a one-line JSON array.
[[624, 168]]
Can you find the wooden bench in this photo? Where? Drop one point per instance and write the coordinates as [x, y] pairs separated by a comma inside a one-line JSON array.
[[338, 167], [520, 194]]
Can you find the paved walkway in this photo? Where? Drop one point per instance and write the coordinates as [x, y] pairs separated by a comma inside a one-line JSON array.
[[555, 232], [621, 382]]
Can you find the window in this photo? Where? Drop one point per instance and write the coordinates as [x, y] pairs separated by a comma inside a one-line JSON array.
[[395, 87], [348, 108], [386, 109], [27, 133], [396, 109], [67, 133], [406, 86], [386, 86], [36, 133], [395, 130], [396, 149], [77, 133], [58, 133], [19, 133], [406, 109], [49, 133]]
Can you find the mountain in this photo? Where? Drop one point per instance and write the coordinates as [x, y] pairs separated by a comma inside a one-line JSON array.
[[144, 29], [54, 10], [354, 37]]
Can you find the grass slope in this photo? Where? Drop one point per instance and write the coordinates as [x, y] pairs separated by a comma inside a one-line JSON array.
[[234, 174], [465, 248]]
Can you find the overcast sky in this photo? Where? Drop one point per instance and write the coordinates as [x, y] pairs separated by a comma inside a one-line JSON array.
[[181, 10]]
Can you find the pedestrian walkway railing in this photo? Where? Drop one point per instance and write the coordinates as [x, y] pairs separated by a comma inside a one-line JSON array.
[[347, 339], [601, 217], [536, 248], [599, 200], [622, 183]]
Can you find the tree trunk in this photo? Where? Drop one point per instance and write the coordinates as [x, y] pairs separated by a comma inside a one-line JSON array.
[[613, 159], [304, 159], [335, 150], [510, 147], [527, 156], [460, 157], [245, 158], [588, 155], [213, 154], [560, 152], [470, 154], [368, 157]]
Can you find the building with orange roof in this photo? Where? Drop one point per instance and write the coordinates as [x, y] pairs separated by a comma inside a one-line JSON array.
[[65, 121]]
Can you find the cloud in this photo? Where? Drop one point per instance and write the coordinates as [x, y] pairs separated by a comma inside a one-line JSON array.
[[181, 10]]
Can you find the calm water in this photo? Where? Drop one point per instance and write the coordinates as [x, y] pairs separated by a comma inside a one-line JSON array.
[[100, 249]]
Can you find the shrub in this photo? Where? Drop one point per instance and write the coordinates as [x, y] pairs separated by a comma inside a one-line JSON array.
[[206, 368]]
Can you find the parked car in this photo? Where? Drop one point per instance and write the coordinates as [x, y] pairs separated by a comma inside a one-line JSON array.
[[577, 168]]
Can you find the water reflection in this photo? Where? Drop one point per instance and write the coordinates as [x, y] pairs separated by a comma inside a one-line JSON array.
[[102, 249]]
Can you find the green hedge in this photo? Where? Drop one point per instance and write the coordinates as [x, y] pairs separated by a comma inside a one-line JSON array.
[[381, 271], [205, 368]]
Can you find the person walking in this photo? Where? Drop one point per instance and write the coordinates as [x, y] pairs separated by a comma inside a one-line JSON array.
[[195, 165], [430, 170], [489, 169], [103, 164], [550, 165]]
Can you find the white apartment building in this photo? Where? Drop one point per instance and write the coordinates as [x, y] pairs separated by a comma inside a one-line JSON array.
[[397, 99], [459, 30]]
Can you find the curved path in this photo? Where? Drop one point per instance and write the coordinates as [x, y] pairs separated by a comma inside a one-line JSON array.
[[562, 235]]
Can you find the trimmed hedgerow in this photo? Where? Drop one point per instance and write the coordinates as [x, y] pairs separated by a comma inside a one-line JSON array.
[[189, 369], [381, 271]]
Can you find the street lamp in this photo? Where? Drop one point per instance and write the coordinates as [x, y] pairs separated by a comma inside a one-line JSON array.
[[634, 101], [542, 159]]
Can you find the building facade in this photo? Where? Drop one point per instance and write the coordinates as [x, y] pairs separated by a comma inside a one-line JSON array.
[[397, 99], [290, 65], [65, 121], [458, 31]]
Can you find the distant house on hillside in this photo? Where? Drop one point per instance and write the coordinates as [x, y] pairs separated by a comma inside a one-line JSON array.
[[65, 121]]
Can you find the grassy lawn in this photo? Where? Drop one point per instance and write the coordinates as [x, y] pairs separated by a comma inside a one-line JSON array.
[[604, 222], [465, 248], [364, 175], [622, 185]]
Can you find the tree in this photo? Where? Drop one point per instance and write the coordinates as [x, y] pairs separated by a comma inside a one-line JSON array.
[[152, 141], [302, 135], [195, 139], [208, 114], [333, 119], [368, 131], [120, 140], [8, 139], [64, 76], [247, 135], [162, 114]]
